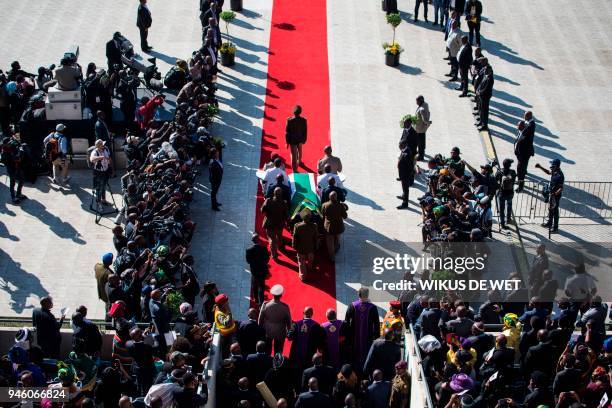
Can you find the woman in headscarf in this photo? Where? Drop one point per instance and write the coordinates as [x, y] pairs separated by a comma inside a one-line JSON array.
[[512, 330]]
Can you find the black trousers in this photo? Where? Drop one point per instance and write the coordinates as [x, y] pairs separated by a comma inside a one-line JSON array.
[[474, 33], [258, 290], [484, 111], [521, 171], [454, 66], [214, 189], [464, 80], [553, 212], [417, 4], [406, 183], [144, 33], [15, 178], [421, 146]]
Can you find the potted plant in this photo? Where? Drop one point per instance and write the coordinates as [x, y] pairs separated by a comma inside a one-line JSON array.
[[412, 118], [393, 49], [227, 49], [236, 5]]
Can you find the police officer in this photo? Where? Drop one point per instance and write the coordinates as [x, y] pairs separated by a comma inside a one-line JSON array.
[[555, 191], [505, 179]]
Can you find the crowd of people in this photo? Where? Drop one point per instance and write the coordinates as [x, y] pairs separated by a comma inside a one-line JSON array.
[[537, 359]]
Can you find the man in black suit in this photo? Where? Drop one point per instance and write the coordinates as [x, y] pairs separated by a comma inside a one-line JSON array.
[[113, 52], [87, 332], [378, 392], [250, 333], [325, 375], [464, 58], [502, 359], [258, 363], [143, 22], [430, 320], [258, 256], [215, 175], [410, 136], [211, 12], [47, 328], [523, 148], [239, 359], [540, 356], [313, 398], [384, 353], [484, 92], [405, 168]]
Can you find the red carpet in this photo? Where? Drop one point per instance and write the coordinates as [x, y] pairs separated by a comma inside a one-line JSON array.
[[298, 74]]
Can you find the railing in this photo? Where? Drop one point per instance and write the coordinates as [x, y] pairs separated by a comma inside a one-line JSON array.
[[587, 200], [581, 199], [212, 366], [421, 378]]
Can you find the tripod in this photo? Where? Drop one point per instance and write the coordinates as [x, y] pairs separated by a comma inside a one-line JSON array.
[[96, 206]]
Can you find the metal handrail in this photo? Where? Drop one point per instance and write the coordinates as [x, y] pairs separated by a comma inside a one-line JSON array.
[[212, 366], [416, 352]]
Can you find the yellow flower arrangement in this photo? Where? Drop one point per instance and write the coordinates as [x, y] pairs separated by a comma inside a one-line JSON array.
[[393, 48]]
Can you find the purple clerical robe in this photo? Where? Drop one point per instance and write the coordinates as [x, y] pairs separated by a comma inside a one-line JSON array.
[[332, 332]]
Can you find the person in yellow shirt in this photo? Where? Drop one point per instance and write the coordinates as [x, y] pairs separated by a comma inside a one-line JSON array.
[[223, 316], [512, 330]]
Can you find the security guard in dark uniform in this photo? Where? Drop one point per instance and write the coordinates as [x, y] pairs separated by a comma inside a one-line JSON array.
[[555, 190]]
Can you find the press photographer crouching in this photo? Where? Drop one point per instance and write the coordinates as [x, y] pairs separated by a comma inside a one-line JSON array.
[[101, 162]]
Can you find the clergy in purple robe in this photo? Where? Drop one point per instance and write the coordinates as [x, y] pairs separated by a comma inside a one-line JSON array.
[[363, 326], [307, 338], [335, 331]]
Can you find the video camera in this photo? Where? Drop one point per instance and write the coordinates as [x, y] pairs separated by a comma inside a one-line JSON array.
[[146, 66]]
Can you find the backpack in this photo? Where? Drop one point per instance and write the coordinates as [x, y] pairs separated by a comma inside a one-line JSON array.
[[507, 182], [52, 149]]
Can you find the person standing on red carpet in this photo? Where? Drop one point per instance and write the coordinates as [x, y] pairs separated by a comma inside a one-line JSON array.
[[296, 133], [362, 327], [275, 210], [305, 236], [307, 338], [335, 331], [334, 214], [275, 317]]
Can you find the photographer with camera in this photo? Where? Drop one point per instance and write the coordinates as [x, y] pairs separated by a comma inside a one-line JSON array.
[[101, 162], [113, 52], [126, 90], [44, 79]]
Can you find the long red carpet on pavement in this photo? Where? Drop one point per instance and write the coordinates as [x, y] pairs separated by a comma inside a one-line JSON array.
[[298, 74]]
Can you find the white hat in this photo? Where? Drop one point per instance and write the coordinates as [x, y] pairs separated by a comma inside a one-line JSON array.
[[60, 127], [202, 131], [277, 290], [100, 141]]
